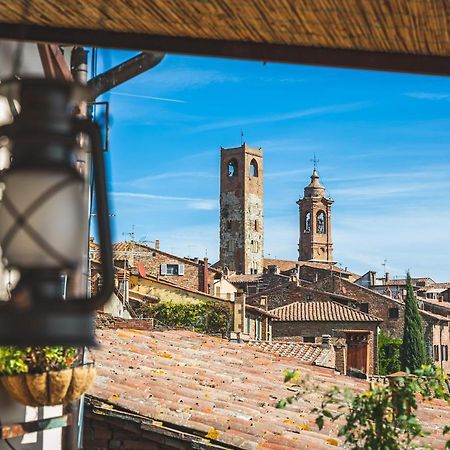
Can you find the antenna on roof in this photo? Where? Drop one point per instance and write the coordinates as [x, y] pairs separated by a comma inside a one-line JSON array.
[[131, 235], [384, 265], [242, 137]]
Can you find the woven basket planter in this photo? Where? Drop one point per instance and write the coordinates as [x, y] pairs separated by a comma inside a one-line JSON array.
[[50, 388]]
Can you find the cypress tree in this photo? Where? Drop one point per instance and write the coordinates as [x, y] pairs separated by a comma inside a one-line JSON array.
[[413, 354]]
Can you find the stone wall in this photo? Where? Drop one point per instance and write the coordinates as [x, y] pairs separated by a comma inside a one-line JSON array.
[[377, 305], [298, 330], [103, 435], [193, 271]]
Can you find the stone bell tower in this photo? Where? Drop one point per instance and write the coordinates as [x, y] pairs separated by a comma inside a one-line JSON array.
[[241, 209], [315, 242]]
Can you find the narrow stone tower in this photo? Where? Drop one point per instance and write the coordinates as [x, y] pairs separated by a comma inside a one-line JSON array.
[[315, 243], [241, 209]]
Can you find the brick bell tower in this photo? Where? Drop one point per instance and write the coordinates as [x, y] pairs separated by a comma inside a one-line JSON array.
[[241, 209], [315, 242]]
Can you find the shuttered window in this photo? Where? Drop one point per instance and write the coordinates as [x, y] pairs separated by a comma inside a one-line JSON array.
[[172, 269]]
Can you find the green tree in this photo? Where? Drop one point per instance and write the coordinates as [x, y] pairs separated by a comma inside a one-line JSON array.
[[413, 354], [389, 354]]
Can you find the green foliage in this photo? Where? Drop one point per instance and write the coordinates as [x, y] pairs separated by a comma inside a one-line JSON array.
[[383, 417], [389, 354], [203, 317], [16, 360], [413, 354]]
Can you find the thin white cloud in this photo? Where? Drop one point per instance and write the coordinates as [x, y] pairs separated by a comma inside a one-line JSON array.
[[428, 95], [149, 97], [193, 203], [323, 110], [171, 175]]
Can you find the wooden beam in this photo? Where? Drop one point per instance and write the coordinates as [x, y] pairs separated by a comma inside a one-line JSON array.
[[53, 62], [19, 429], [318, 56]]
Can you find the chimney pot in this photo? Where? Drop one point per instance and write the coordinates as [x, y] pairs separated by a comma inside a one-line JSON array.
[[326, 341], [157, 244]]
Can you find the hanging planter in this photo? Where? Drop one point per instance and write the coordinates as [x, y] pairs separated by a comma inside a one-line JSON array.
[[44, 376]]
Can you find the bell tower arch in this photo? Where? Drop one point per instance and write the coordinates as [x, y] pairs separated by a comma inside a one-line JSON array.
[[315, 243]]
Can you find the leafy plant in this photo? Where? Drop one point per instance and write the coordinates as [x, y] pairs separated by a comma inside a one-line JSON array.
[[381, 418], [17, 360], [389, 354], [203, 317]]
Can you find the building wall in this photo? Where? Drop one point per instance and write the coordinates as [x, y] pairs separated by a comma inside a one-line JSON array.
[[192, 272], [377, 305], [241, 211], [168, 293], [441, 346], [299, 330], [101, 435], [290, 293]]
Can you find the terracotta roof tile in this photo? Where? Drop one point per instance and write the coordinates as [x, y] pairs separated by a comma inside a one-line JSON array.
[[307, 353], [321, 311], [184, 379]]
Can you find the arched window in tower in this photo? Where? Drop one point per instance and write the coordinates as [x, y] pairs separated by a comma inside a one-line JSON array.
[[232, 168], [253, 168], [321, 222], [307, 222]]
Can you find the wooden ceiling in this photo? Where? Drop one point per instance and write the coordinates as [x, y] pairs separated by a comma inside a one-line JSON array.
[[403, 35]]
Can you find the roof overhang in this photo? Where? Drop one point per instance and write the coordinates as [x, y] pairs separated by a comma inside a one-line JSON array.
[[401, 35]]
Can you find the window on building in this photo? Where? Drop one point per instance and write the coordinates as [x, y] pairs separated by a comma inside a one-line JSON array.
[[309, 297], [394, 313], [258, 329], [256, 225], [321, 225], [309, 339], [307, 222], [172, 269], [364, 307], [247, 324], [436, 352], [444, 352], [232, 168], [229, 225], [253, 170]]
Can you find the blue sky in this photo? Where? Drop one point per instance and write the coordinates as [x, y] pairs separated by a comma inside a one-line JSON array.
[[382, 140]]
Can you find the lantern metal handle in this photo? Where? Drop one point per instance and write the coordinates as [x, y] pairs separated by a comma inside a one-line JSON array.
[[80, 305]]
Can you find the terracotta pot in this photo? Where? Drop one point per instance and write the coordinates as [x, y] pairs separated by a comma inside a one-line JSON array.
[[50, 388]]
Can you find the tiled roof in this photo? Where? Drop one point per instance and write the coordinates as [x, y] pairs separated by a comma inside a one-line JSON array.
[[287, 264], [186, 381], [307, 353], [321, 311], [242, 278]]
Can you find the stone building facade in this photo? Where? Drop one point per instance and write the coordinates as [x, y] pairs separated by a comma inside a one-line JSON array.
[[241, 209], [307, 321], [189, 273], [315, 243]]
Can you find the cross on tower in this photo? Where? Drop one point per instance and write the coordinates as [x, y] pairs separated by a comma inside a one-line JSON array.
[[315, 161]]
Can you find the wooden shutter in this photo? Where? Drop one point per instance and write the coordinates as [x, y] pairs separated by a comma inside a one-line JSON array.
[[163, 269], [180, 269]]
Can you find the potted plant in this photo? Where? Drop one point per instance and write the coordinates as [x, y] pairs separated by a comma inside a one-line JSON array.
[[41, 376]]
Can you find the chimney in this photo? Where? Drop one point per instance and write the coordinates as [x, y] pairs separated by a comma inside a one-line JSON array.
[[263, 302], [387, 278], [157, 244], [239, 312], [205, 275], [326, 341]]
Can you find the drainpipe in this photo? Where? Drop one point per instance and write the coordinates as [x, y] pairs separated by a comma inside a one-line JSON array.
[[205, 275]]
